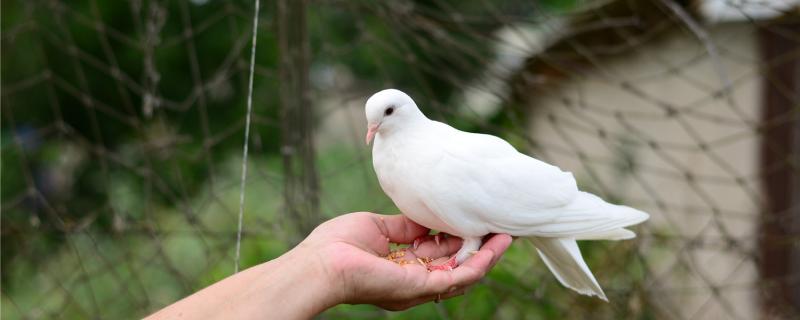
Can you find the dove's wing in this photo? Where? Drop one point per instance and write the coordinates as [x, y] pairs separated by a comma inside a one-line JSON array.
[[504, 172], [484, 178]]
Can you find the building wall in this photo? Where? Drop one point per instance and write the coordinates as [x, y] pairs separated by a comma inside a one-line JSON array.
[[694, 156]]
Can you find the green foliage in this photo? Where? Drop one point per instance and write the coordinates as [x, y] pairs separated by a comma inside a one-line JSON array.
[[112, 211]]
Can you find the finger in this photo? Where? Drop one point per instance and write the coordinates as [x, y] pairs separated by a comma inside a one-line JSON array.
[[498, 243], [396, 306], [456, 293], [446, 247], [398, 228], [403, 305], [453, 292], [468, 273]]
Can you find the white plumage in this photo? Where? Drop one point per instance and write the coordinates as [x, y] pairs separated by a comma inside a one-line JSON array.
[[470, 185]]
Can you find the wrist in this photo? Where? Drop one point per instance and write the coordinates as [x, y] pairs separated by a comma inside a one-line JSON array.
[[301, 282]]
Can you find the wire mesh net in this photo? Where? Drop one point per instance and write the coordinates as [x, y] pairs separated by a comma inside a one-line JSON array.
[[122, 126]]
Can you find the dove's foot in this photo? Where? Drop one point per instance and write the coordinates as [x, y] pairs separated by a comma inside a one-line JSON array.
[[419, 240], [449, 265]]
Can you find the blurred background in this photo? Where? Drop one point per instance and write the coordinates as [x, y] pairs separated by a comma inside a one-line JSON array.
[[123, 126]]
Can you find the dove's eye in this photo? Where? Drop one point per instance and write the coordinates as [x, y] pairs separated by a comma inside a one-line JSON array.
[[388, 111]]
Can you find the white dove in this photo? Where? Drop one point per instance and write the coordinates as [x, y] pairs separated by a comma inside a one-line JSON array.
[[469, 185]]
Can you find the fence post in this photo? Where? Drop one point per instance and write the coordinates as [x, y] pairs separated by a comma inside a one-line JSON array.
[[779, 263], [301, 185]]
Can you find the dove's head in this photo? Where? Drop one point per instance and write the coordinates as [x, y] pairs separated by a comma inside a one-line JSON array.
[[389, 110]]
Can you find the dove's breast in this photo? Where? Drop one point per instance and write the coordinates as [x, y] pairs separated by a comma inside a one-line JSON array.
[[400, 178]]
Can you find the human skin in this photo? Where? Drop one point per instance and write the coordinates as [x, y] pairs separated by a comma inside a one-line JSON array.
[[341, 261]]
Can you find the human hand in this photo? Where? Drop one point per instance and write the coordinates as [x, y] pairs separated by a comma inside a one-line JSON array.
[[341, 261], [351, 251]]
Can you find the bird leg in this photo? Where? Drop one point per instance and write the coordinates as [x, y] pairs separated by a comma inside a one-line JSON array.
[[470, 245], [419, 240]]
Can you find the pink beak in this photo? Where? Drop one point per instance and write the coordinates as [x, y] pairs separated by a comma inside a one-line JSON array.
[[371, 131]]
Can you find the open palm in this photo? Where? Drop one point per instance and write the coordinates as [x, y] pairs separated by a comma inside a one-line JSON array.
[[352, 249]]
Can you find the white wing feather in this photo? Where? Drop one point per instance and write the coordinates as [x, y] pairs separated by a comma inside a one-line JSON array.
[[488, 180]]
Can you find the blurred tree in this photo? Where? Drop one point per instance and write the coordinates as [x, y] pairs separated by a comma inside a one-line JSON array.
[[153, 93]]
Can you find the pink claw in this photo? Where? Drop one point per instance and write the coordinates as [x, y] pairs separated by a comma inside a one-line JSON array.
[[420, 240], [449, 265], [416, 243]]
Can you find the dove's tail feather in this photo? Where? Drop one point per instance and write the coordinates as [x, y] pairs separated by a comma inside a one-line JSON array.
[[564, 259]]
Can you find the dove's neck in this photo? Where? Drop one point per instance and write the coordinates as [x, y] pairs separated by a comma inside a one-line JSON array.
[[416, 116]]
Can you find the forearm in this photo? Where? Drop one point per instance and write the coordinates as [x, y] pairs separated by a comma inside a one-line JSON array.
[[289, 287]]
